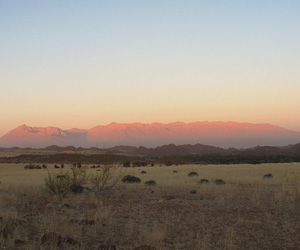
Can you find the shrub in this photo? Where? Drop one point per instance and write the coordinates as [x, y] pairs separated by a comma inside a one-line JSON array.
[[98, 166], [143, 172], [203, 181], [73, 181], [44, 166], [131, 179], [150, 183], [76, 189], [58, 185], [175, 172], [106, 178], [219, 182], [8, 225], [268, 176], [139, 164], [126, 164], [31, 166], [193, 174], [63, 184]]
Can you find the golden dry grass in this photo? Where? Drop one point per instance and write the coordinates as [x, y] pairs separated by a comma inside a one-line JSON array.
[[248, 212]]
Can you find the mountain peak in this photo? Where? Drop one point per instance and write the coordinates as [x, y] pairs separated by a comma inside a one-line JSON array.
[[221, 134]]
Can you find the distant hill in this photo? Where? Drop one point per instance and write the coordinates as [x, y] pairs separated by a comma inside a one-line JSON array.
[[171, 153], [219, 134]]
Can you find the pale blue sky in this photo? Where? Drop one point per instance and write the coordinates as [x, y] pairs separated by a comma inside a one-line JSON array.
[[84, 63]]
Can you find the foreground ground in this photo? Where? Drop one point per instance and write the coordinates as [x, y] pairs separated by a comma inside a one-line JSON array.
[[248, 212]]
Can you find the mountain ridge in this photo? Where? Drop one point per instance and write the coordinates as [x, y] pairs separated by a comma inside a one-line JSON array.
[[221, 134]]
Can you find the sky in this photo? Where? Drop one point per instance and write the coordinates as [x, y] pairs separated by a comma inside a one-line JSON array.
[[85, 63]]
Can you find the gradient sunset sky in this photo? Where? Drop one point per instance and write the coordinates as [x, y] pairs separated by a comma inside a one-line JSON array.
[[84, 63]]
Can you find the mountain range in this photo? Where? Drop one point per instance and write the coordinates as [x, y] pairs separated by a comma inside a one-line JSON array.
[[219, 134]]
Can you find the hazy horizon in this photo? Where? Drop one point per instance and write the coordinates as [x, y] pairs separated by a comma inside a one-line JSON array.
[[85, 63]]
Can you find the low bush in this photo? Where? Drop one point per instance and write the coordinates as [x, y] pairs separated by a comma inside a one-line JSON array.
[[268, 176], [76, 189], [63, 184], [105, 178], [131, 179], [175, 172], [126, 164], [150, 183], [193, 174], [143, 172], [219, 182], [203, 181], [98, 166], [31, 166]]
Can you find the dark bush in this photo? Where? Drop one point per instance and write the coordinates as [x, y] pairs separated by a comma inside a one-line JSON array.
[[175, 172], [203, 181], [193, 174], [61, 177], [62, 165], [143, 172], [44, 166], [150, 183], [131, 179], [31, 166], [268, 176], [55, 166], [126, 164], [219, 182], [76, 189], [139, 164]]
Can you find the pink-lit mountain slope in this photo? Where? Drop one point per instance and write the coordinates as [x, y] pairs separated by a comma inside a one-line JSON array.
[[221, 134], [36, 137]]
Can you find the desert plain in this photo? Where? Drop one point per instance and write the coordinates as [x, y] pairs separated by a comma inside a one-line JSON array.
[[247, 212]]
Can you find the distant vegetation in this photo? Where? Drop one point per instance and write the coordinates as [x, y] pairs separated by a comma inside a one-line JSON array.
[[150, 183], [239, 159], [31, 166], [193, 174], [131, 179]]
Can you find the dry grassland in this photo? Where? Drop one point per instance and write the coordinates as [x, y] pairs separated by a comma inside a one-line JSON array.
[[248, 212]]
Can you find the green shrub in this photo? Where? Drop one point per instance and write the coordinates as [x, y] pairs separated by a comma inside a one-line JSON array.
[[150, 183], [219, 182], [44, 166], [175, 172], [268, 176], [143, 172], [126, 164], [203, 181], [131, 179], [193, 174], [31, 166]]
